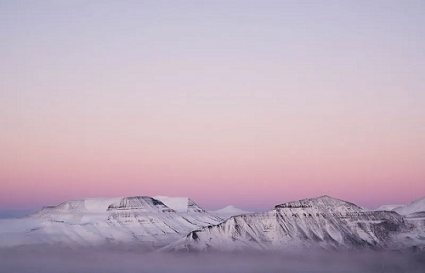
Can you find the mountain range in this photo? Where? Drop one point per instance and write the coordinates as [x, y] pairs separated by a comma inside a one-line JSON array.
[[140, 220], [178, 224]]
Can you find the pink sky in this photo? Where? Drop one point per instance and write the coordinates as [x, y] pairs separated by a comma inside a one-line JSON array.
[[251, 105]]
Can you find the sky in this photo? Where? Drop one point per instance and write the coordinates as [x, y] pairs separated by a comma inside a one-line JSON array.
[[250, 103]]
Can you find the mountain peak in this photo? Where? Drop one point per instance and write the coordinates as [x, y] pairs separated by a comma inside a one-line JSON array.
[[414, 206], [141, 203], [388, 207], [231, 210], [324, 203], [327, 197], [180, 204]]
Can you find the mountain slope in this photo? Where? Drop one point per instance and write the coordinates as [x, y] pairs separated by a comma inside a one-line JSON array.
[[129, 220], [323, 222], [415, 206], [180, 204], [388, 207]]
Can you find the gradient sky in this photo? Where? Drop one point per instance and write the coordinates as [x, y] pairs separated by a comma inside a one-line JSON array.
[[251, 103]]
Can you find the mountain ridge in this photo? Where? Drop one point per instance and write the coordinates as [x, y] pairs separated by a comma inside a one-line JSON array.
[[139, 220], [322, 222], [417, 205]]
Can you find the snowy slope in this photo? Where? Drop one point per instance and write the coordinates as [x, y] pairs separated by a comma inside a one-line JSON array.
[[415, 206], [388, 207], [74, 208], [323, 222], [129, 220], [230, 211], [155, 222], [180, 204]]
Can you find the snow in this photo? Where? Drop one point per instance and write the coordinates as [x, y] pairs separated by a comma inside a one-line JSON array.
[[231, 210], [179, 204], [140, 203], [80, 206], [388, 207], [322, 222], [140, 220], [415, 206], [99, 205], [178, 223]]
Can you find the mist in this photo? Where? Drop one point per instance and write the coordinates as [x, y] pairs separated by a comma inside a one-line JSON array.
[[52, 260]]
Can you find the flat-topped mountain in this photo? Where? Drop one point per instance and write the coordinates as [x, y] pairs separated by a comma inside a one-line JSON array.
[[180, 204], [140, 220], [139, 203], [322, 222]]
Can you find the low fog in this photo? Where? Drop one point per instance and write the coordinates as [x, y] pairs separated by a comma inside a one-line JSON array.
[[51, 260]]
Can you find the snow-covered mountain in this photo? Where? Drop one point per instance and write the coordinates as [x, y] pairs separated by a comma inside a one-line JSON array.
[[230, 211], [179, 224], [139, 220], [322, 222], [417, 205], [180, 204], [388, 207]]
